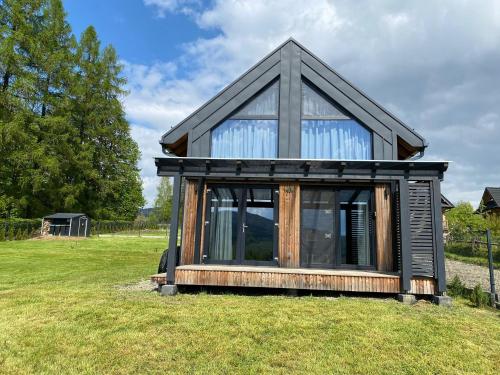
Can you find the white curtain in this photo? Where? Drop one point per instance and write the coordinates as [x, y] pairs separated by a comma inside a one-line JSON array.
[[335, 139], [245, 139], [221, 225]]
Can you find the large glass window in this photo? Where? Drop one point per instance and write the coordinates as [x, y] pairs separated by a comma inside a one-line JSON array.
[[240, 227], [355, 240], [337, 228], [252, 132], [327, 132]]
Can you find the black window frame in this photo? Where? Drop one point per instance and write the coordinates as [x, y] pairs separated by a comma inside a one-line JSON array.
[[240, 243], [336, 246]]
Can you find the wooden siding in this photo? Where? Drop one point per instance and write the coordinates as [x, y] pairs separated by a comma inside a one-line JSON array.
[[288, 278], [189, 222], [269, 277], [289, 225], [383, 226], [420, 285]]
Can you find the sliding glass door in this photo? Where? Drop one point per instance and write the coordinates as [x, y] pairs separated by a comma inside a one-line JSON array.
[[337, 228], [241, 225]]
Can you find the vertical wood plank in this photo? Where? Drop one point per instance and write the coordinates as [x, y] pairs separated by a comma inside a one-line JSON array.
[[383, 227], [289, 225], [189, 222]]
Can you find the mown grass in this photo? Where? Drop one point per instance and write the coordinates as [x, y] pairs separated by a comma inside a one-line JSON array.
[[61, 312]]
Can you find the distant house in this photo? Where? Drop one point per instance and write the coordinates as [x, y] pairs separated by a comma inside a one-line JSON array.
[[294, 178], [490, 202], [66, 224]]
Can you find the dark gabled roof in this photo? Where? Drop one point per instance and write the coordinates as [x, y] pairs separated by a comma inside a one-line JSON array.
[[494, 194], [311, 68], [446, 203], [63, 215]]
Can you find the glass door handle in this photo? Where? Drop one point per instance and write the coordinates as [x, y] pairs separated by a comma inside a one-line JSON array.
[[244, 226]]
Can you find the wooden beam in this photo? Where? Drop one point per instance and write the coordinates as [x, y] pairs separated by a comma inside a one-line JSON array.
[[383, 226], [189, 222], [289, 225]]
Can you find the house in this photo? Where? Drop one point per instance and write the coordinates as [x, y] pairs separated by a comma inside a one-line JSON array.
[[294, 178], [66, 224], [490, 202]]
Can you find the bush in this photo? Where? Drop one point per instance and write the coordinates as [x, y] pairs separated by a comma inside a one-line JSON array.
[[457, 288], [478, 297], [11, 234], [19, 229]]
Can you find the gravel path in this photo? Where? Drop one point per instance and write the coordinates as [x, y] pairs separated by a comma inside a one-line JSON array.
[[470, 274]]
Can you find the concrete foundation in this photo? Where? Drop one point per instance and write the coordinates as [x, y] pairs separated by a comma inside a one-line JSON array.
[[168, 290], [442, 301], [407, 299]]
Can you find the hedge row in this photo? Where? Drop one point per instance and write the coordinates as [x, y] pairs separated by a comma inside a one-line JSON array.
[[19, 229], [109, 226]]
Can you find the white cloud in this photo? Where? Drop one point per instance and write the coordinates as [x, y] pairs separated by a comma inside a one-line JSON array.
[[165, 6], [433, 65]]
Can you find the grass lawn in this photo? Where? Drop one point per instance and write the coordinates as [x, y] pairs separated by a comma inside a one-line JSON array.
[[61, 312]]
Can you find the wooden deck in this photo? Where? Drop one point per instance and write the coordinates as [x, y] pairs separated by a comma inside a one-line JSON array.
[[294, 278]]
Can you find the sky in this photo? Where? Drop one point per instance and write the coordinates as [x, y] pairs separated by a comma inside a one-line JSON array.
[[434, 64]]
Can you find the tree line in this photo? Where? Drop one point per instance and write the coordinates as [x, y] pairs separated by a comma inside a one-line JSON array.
[[65, 144]]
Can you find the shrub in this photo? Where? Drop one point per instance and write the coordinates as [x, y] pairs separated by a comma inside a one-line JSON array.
[[11, 234], [2, 233], [478, 297], [456, 288]]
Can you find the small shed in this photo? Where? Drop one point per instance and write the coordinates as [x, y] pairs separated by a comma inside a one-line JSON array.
[[66, 224]]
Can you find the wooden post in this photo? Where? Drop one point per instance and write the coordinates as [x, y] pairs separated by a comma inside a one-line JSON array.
[[174, 226], [383, 225], [406, 269]]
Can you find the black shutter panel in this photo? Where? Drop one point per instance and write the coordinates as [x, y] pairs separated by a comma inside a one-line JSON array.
[[422, 235]]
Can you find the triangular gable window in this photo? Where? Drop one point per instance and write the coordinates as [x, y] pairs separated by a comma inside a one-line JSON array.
[[315, 105], [329, 133], [252, 131], [264, 104]]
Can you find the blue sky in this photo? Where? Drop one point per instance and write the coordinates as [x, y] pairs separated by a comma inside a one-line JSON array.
[[434, 64], [134, 29]]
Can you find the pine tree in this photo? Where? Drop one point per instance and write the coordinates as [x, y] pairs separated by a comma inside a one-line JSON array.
[[113, 183], [64, 141]]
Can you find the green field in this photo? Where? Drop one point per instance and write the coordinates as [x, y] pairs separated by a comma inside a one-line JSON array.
[[63, 309]]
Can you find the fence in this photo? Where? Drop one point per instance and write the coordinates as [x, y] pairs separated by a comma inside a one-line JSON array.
[[19, 229], [22, 229], [128, 229], [480, 248]]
